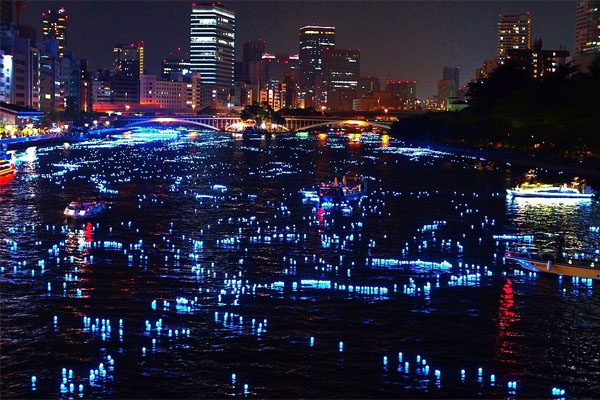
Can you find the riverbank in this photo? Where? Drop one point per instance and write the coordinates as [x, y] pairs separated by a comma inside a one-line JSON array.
[[588, 168], [40, 140], [20, 143]]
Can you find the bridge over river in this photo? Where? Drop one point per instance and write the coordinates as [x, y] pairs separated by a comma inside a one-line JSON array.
[[224, 123]]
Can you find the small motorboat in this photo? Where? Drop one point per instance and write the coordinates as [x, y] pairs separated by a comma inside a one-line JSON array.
[[351, 188], [84, 209], [7, 165]]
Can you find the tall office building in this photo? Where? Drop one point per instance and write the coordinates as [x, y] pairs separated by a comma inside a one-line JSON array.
[[54, 26], [6, 12], [313, 39], [341, 72], [252, 50], [587, 26], [452, 74], [128, 59], [514, 32], [368, 84], [446, 91], [212, 50], [405, 91], [252, 68], [172, 68]]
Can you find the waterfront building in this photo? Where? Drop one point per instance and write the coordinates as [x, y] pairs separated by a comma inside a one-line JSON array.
[[173, 67], [128, 59], [163, 93], [212, 50], [538, 62], [26, 74], [19, 116], [313, 39], [274, 94], [181, 95], [377, 101], [6, 13], [101, 92], [514, 32], [405, 91], [290, 99], [124, 90], [275, 66], [251, 69], [6, 73], [50, 82], [368, 84], [452, 73], [54, 26], [75, 83], [587, 26], [253, 50], [446, 91], [487, 67], [242, 94], [340, 74]]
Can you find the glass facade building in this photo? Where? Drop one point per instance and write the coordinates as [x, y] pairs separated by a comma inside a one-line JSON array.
[[313, 39], [212, 38]]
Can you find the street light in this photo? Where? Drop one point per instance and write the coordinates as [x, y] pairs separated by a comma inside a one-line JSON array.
[[193, 108], [127, 107]]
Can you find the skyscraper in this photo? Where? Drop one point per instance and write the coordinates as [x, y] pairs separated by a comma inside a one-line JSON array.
[[514, 32], [587, 25], [54, 26], [368, 84], [128, 59], [172, 68], [252, 65], [253, 50], [452, 74], [405, 91], [212, 37], [341, 72], [313, 39]]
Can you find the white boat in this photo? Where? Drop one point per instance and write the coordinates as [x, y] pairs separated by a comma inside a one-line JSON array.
[[84, 209], [549, 191], [577, 189]]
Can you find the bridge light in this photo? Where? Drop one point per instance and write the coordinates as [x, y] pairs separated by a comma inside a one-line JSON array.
[[164, 119]]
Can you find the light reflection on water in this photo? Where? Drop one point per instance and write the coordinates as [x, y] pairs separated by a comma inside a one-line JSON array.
[[257, 253]]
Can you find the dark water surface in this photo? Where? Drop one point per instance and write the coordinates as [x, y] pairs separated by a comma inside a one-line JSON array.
[[254, 272]]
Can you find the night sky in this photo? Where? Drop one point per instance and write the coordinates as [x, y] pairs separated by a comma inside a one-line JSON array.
[[413, 40]]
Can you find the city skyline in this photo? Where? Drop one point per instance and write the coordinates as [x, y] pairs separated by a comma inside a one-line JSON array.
[[448, 42]]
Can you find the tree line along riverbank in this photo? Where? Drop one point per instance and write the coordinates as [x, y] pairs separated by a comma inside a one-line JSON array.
[[553, 121]]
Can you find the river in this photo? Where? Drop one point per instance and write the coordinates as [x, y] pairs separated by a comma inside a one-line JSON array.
[[212, 275]]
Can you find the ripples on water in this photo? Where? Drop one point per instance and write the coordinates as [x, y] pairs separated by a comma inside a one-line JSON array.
[[254, 273]]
